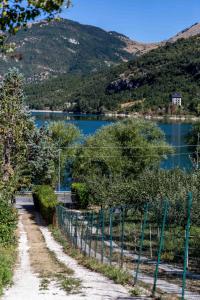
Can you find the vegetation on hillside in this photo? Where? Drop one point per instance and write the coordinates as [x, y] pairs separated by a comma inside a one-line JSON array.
[[152, 78], [48, 49]]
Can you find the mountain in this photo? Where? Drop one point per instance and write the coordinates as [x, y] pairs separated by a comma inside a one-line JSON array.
[[187, 33], [147, 80], [67, 47]]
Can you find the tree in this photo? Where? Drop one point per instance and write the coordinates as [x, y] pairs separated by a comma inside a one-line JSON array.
[[41, 158], [64, 136], [27, 154], [116, 153], [193, 139], [16, 14], [15, 127]]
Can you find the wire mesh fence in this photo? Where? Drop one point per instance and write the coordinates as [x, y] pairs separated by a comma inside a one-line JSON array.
[[157, 242]]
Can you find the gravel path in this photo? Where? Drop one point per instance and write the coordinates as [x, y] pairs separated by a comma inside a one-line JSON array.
[[26, 284]]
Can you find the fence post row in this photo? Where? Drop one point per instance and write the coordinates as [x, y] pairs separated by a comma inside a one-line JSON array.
[[187, 236], [79, 229]]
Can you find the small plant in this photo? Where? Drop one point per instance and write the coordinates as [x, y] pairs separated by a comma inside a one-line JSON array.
[[44, 285], [135, 292], [69, 284]]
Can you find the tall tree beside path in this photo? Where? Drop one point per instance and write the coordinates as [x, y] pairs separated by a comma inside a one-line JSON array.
[[27, 154], [15, 127]]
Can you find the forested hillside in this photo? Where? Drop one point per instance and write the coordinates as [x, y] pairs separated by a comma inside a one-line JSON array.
[[47, 49], [150, 78]]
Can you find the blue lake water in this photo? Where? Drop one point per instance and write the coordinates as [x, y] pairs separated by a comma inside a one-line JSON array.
[[175, 133]]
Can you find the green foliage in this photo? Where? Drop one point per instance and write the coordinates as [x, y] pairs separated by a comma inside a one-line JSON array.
[[17, 13], [72, 48], [42, 156], [63, 134], [8, 223], [45, 201], [15, 127], [81, 193], [153, 77], [64, 137], [7, 260], [116, 153], [27, 153]]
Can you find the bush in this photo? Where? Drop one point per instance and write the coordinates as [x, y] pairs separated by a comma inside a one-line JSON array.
[[8, 223], [45, 201], [81, 194], [7, 260]]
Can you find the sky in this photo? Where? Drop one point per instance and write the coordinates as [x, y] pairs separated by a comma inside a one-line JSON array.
[[141, 20]]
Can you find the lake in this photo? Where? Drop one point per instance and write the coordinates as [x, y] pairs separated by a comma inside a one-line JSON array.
[[175, 133]]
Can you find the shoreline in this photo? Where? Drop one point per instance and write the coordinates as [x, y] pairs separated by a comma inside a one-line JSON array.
[[46, 111], [122, 115]]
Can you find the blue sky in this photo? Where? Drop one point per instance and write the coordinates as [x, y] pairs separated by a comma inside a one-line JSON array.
[[142, 20]]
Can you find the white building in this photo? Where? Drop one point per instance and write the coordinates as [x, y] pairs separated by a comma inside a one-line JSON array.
[[176, 99]]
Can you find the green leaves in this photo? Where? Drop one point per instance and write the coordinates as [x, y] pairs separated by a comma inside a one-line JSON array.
[[117, 153], [15, 126]]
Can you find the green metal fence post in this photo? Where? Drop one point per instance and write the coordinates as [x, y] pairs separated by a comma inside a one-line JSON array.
[[91, 230], [141, 241], [102, 235], [72, 228], [97, 232], [70, 224], [76, 230], [86, 234], [160, 246], [111, 233], [122, 214], [187, 236], [82, 227]]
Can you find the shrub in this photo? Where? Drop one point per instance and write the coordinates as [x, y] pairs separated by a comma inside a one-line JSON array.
[[81, 194], [8, 223], [45, 201], [7, 259]]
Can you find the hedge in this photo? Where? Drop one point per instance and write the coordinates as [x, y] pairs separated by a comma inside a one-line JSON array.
[[81, 193], [45, 201]]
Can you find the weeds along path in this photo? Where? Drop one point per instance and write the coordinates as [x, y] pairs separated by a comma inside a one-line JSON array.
[[44, 271]]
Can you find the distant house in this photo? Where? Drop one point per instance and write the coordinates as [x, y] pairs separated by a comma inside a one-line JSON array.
[[176, 99]]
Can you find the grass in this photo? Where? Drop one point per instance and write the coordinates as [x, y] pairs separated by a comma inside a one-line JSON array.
[[135, 292], [7, 261], [70, 285], [116, 274], [44, 284]]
